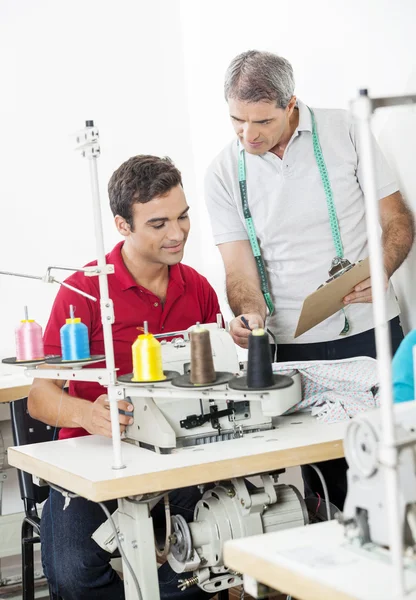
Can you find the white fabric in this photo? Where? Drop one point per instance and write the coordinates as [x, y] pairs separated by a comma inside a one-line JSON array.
[[289, 210], [335, 390]]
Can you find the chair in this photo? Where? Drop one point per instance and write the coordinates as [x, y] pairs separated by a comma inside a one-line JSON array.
[[30, 431]]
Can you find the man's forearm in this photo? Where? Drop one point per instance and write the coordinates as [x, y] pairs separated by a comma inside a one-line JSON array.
[[245, 296], [50, 404], [397, 238]]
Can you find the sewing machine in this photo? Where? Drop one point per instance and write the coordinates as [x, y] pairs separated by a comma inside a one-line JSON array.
[[166, 416], [365, 511], [349, 557]]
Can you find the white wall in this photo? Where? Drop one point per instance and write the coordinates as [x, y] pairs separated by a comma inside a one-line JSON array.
[[335, 48], [62, 62]]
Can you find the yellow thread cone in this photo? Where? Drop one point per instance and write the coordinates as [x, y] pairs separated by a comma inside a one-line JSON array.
[[147, 359]]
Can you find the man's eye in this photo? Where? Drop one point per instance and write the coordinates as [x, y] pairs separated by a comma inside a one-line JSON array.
[[158, 226], [184, 217]]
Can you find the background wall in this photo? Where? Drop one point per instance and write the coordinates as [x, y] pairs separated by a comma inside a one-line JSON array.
[[119, 63]]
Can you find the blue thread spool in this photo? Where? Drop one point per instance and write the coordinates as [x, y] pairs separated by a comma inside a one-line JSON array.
[[74, 339]]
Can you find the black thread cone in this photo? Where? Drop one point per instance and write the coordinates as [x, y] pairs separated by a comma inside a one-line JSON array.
[[259, 364]]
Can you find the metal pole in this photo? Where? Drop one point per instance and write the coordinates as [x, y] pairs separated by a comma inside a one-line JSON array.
[[107, 313], [362, 109]]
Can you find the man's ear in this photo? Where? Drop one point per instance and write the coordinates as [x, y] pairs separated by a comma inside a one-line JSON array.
[[291, 104], [122, 226]]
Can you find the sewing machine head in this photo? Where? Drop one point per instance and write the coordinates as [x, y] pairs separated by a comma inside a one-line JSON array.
[[365, 515], [167, 417]]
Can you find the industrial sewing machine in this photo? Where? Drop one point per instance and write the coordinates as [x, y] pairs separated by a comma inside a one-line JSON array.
[[365, 512], [167, 417]]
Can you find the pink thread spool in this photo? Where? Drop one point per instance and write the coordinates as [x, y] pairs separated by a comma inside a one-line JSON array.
[[29, 342]]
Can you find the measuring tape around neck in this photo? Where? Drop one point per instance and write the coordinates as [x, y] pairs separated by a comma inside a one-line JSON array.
[[261, 268], [333, 219]]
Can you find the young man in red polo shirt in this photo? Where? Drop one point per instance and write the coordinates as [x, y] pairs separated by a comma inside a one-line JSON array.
[[149, 284]]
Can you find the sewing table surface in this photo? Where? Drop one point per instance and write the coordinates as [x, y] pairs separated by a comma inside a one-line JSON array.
[[316, 563], [13, 383], [84, 465]]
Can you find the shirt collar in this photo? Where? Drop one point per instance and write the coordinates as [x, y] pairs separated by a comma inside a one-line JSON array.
[[126, 279], [305, 121]]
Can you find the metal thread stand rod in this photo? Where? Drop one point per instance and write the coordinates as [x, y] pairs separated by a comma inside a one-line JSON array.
[[362, 109], [106, 305]]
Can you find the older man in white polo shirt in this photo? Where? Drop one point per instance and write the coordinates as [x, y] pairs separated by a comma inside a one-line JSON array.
[[290, 187]]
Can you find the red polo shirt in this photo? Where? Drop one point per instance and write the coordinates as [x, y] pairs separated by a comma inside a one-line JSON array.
[[189, 299]]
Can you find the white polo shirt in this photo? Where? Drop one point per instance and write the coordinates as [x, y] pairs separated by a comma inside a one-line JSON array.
[[289, 210]]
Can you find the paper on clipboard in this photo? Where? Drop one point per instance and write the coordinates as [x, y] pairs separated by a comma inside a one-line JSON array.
[[327, 300]]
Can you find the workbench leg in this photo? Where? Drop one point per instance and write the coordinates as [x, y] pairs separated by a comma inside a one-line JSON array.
[[136, 534]]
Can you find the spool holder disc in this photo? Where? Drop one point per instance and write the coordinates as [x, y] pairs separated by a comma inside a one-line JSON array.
[[280, 382], [169, 375], [58, 360], [183, 381], [12, 360]]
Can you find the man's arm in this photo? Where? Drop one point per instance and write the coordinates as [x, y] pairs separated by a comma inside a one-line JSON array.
[[49, 403], [243, 289], [397, 226]]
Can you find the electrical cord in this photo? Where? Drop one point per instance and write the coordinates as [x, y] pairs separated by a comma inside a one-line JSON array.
[[71, 495], [324, 487]]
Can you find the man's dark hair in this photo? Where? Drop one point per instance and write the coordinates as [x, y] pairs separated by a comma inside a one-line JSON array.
[[140, 179]]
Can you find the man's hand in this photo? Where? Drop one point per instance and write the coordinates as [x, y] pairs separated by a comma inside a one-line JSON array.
[[97, 419], [239, 331], [363, 292]]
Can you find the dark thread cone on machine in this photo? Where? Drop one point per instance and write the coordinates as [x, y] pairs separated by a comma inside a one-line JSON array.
[[259, 364], [202, 364]]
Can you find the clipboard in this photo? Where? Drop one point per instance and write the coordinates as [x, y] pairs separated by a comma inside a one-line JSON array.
[[327, 300]]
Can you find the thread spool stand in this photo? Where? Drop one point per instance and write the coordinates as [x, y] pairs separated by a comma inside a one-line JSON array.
[[58, 360], [128, 378], [12, 360]]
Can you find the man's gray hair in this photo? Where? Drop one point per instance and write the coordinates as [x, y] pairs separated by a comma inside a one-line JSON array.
[[255, 76]]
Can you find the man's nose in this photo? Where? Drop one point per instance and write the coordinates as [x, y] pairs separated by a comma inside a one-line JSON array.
[[250, 132], [175, 231]]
